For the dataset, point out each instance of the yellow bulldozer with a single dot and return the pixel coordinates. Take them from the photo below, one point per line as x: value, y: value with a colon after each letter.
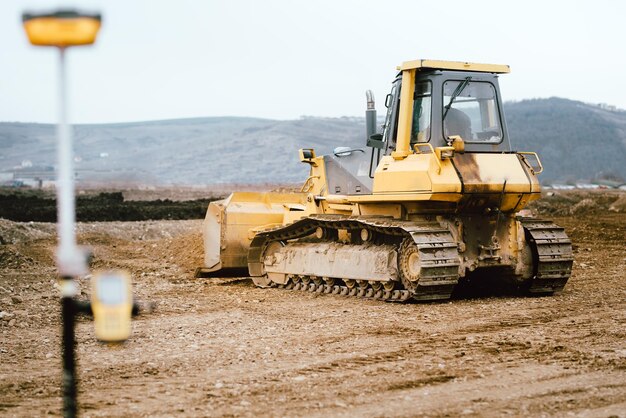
x: 430, y: 202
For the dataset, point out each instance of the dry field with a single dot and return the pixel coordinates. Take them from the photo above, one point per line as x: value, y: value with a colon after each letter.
x: 221, y: 347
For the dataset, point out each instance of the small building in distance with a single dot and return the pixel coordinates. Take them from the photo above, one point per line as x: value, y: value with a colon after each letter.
x: 33, y: 175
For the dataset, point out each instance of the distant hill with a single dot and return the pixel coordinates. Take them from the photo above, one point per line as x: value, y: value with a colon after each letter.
x: 184, y: 151
x: 575, y: 141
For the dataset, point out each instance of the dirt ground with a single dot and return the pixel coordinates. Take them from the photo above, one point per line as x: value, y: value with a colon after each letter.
x: 221, y: 347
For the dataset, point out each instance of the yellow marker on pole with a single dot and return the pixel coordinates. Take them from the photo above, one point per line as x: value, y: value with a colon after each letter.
x: 62, y: 28
x: 112, y: 305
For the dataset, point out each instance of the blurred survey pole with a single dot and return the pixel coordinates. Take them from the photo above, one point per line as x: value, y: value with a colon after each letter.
x: 62, y: 29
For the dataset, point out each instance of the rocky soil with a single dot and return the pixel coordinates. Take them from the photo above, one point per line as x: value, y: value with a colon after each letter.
x: 221, y: 347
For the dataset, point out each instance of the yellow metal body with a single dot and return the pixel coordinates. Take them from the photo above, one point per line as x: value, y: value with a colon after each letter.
x: 405, y: 118
x: 230, y: 224
x: 411, y: 182
x: 112, y: 305
x: 453, y: 65
x: 61, y: 31
x: 417, y: 173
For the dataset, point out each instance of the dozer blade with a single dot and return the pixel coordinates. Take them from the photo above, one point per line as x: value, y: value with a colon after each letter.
x: 230, y: 225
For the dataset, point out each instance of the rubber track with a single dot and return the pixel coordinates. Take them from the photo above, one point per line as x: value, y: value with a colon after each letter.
x: 552, y: 254
x: 438, y: 252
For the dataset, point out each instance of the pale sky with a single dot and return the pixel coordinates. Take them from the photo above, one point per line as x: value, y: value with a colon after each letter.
x: 281, y: 59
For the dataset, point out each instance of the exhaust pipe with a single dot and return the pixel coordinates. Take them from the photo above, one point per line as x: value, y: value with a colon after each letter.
x: 370, y: 114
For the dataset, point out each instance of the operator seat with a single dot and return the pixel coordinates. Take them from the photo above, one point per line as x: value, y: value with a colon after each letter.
x: 457, y: 123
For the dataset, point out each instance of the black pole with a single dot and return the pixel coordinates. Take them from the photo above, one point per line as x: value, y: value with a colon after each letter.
x: 68, y: 315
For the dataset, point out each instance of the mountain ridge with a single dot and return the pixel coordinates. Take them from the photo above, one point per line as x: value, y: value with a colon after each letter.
x: 576, y: 141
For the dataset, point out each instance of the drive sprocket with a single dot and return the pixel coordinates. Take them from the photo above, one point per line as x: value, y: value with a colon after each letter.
x: 409, y: 265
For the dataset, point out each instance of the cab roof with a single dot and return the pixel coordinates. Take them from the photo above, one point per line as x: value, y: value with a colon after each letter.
x: 421, y: 65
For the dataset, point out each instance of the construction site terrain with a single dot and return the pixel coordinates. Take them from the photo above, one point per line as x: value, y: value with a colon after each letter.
x: 222, y: 347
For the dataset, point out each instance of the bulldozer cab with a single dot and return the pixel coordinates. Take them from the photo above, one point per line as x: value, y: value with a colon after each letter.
x: 445, y: 101
x: 445, y: 140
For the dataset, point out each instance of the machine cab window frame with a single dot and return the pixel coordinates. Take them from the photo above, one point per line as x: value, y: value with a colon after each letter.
x: 485, y: 119
x: 421, y: 126
x: 392, y: 102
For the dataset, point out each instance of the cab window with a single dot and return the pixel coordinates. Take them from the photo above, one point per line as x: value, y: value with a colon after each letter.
x: 420, y: 128
x: 390, y: 130
x: 471, y: 111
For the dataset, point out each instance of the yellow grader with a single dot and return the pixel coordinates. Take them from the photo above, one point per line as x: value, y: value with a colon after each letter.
x: 431, y: 202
